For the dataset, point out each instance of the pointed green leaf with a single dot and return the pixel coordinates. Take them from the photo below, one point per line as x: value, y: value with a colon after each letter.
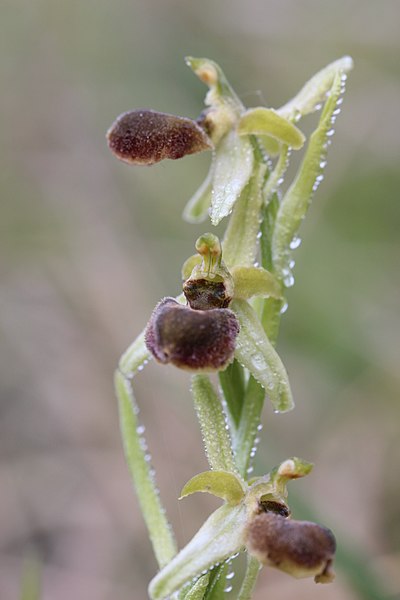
x: 298, y: 197
x: 266, y: 121
x: 219, y: 483
x: 220, y: 537
x: 213, y: 424
x: 233, y: 167
x: 255, y: 281
x: 255, y: 352
x: 154, y: 515
x: 315, y: 91
x: 196, y: 210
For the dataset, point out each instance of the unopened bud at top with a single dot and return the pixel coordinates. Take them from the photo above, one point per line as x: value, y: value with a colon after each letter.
x: 144, y: 137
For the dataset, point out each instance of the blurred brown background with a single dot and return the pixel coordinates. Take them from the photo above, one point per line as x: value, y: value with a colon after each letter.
x: 88, y: 245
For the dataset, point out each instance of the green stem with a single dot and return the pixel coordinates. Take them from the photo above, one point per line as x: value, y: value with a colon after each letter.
x: 160, y: 532
x: 250, y: 578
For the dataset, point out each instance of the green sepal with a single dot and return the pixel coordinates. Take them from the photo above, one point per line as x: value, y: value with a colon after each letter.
x: 266, y: 121
x: 255, y: 281
x: 233, y: 165
x: 240, y: 240
x: 222, y: 484
x: 196, y: 210
x: 255, y: 352
x: 315, y: 91
x: 221, y: 536
x: 297, y: 199
x: 212, y: 75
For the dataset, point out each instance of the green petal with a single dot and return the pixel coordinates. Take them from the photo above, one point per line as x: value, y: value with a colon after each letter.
x: 266, y: 121
x: 190, y: 263
x: 222, y: 484
x: 233, y: 164
x: 220, y: 537
x: 297, y: 199
x: 255, y: 281
x: 315, y: 91
x: 255, y: 352
x: 196, y: 210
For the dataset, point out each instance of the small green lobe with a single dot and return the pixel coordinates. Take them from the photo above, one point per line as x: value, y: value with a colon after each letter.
x: 222, y: 484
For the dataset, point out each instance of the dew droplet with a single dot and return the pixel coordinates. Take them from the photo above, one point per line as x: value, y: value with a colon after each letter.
x: 323, y: 164
x: 295, y: 243
x: 288, y: 280
x: 259, y: 235
x: 330, y: 132
x: 339, y: 101
x: 228, y: 588
x: 292, y: 263
x: 250, y: 470
x: 319, y: 178
x: 230, y: 575
x: 140, y: 429
x: 318, y: 106
x: 140, y: 368
x: 284, y: 308
x: 259, y: 427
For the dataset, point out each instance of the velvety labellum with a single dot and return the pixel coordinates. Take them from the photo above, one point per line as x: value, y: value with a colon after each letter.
x: 144, y: 137
x: 192, y: 339
x: 300, y: 548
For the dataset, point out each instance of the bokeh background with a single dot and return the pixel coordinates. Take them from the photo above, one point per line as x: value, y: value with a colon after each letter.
x: 88, y: 246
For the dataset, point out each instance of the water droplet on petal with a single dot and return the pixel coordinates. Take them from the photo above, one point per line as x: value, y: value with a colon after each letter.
x: 295, y: 243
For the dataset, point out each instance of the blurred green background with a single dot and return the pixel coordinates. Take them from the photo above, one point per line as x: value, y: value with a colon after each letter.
x: 88, y: 246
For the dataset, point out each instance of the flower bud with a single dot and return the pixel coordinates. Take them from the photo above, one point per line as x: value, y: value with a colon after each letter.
x: 300, y: 548
x: 144, y: 137
x: 191, y: 339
